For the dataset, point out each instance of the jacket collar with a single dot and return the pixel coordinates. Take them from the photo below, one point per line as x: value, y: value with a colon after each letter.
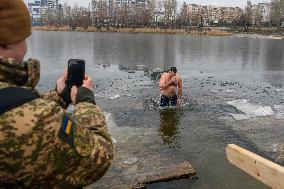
x: 19, y: 73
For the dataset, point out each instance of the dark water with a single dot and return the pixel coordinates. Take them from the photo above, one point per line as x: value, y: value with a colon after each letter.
x: 215, y: 70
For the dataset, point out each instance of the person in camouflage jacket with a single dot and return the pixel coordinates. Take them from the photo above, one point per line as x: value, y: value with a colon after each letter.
x: 35, y: 152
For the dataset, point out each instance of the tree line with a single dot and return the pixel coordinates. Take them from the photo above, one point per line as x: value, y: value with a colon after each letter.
x: 102, y: 13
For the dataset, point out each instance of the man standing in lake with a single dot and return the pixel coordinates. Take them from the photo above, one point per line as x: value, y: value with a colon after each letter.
x: 171, y: 88
x: 42, y: 145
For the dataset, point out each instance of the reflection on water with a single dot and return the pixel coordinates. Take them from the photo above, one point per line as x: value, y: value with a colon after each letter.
x: 169, y: 125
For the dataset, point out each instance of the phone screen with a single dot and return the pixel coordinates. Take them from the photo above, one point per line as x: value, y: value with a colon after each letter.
x: 76, y: 72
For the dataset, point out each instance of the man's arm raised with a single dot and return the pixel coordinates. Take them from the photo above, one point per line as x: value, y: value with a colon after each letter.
x: 179, y: 87
x: 163, y: 83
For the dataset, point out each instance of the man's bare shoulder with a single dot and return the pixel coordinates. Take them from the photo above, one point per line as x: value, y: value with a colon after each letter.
x: 164, y: 75
x: 178, y: 76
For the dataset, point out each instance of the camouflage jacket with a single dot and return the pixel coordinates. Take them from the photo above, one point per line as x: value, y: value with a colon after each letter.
x: 33, y: 153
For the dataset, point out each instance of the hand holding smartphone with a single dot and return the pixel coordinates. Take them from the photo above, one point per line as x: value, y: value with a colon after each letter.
x: 76, y: 73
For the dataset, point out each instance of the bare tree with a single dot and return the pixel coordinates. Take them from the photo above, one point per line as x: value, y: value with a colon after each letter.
x: 67, y: 11
x: 243, y: 21
x: 170, y: 12
x: 123, y: 15
x: 277, y: 12
x: 183, y: 17
x: 48, y: 18
x: 247, y: 17
x: 83, y: 17
x: 102, y: 13
x: 151, y: 8
x: 258, y: 18
x: 111, y: 13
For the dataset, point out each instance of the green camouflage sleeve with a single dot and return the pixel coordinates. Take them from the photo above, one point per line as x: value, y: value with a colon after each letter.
x: 92, y: 126
x: 53, y: 96
x: 91, y: 143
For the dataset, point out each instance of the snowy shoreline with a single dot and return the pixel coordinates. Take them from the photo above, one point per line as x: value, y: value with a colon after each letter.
x: 258, y: 36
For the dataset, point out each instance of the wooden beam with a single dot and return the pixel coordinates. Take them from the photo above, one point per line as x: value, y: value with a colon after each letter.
x: 137, y: 179
x: 262, y: 169
x: 166, y: 174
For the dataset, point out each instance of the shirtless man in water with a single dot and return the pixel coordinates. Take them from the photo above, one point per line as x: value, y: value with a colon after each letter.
x: 171, y: 88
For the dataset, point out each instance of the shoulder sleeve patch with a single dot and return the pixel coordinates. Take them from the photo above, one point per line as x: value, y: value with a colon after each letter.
x: 79, y: 138
x: 67, y: 128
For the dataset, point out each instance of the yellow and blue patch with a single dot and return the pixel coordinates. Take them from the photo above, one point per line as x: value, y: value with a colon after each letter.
x: 67, y: 129
x: 67, y: 125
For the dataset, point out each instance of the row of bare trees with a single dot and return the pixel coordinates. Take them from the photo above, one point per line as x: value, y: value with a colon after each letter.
x: 102, y: 13
x: 67, y: 16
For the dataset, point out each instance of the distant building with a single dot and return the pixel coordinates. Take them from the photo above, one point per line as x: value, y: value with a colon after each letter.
x: 265, y: 10
x: 44, y: 6
x: 193, y: 10
x: 261, y: 10
x: 35, y: 10
x: 159, y: 12
x: 213, y: 14
x: 122, y: 2
x: 53, y: 4
x: 141, y: 2
x: 118, y: 3
x: 44, y: 3
x: 229, y: 14
x: 39, y: 7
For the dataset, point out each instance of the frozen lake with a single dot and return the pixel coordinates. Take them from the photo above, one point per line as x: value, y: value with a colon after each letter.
x: 232, y: 94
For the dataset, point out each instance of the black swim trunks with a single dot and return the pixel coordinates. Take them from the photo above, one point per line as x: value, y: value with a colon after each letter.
x: 168, y: 101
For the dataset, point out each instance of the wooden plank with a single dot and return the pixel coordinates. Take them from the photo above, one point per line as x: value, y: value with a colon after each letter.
x: 262, y: 169
x: 166, y: 174
x: 139, y: 178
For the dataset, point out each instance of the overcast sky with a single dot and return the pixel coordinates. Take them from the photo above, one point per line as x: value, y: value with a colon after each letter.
x: 234, y: 3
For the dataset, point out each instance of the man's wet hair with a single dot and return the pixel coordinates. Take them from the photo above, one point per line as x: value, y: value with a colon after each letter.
x: 174, y: 69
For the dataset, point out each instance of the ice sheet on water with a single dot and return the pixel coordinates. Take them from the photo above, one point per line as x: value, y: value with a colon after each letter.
x: 229, y: 91
x: 130, y: 160
x: 279, y: 111
x: 239, y: 117
x: 98, y: 96
x: 213, y: 91
x: 128, y: 95
x: 249, y: 109
x: 107, y: 116
x: 114, y: 96
x: 114, y: 141
x: 278, y: 90
x: 145, y: 83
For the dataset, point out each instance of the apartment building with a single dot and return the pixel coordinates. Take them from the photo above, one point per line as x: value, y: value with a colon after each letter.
x: 213, y: 14
x: 264, y: 9
x: 34, y: 9
x: 261, y: 9
x: 53, y: 4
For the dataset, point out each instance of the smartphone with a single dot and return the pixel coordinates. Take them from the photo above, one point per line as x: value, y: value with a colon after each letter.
x: 76, y: 73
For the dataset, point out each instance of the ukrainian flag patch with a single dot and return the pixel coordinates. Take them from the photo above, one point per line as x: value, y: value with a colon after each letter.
x: 66, y: 125
x: 67, y: 129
